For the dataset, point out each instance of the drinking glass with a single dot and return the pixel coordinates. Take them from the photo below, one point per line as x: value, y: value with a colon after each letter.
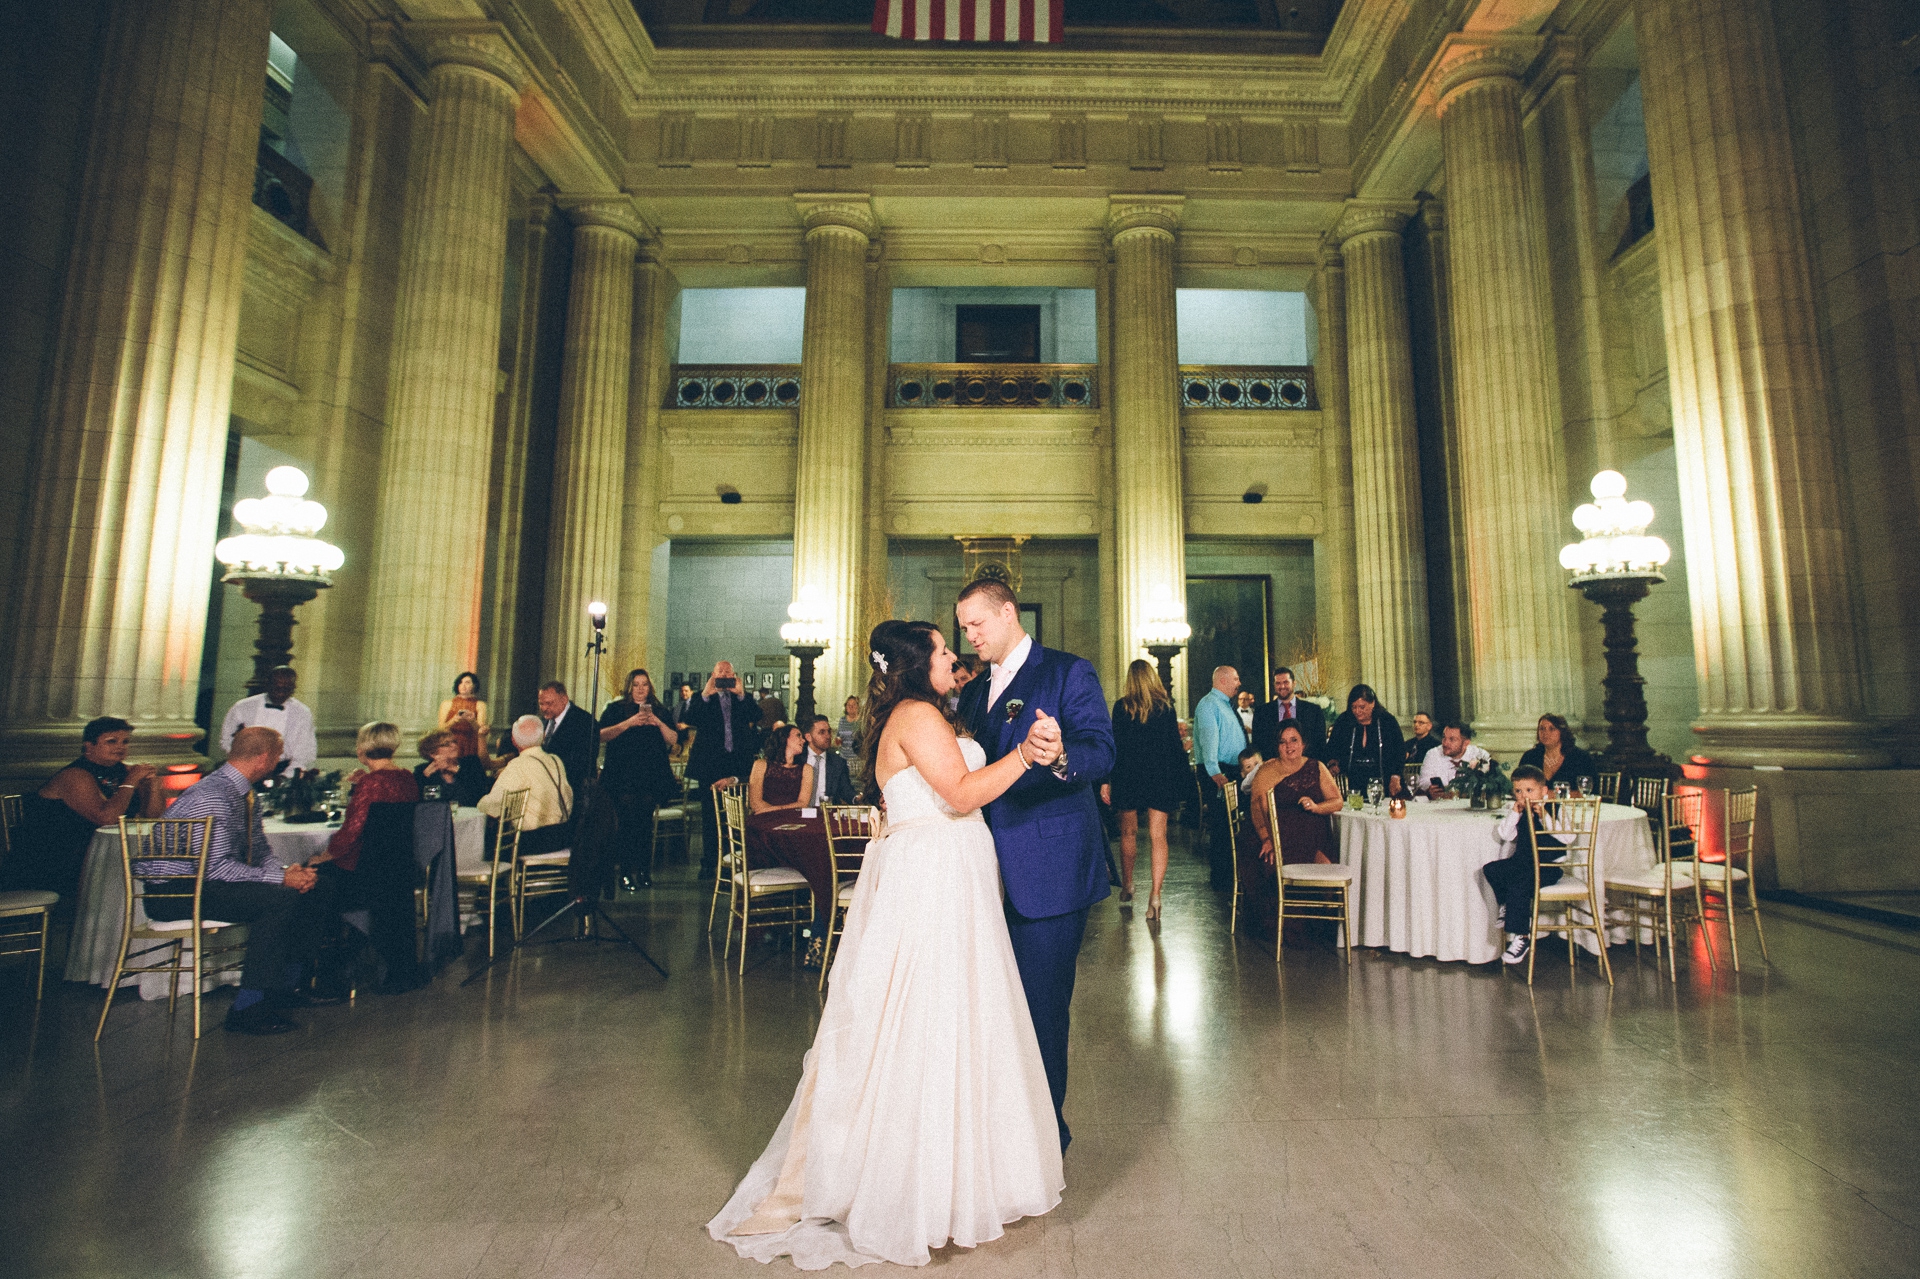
x: 1585, y: 786
x: 1375, y: 791
x: 1562, y: 790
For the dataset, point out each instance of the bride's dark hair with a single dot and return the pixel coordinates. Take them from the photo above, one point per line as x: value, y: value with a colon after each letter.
x: 902, y: 673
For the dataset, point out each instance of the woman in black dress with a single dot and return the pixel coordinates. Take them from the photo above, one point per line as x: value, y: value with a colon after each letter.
x: 1366, y: 743
x: 1556, y: 755
x: 639, y: 733
x: 1150, y: 771
x: 57, y: 823
x: 461, y: 777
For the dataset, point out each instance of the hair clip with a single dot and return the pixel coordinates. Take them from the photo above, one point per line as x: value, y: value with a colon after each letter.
x: 879, y: 661
x: 1014, y: 708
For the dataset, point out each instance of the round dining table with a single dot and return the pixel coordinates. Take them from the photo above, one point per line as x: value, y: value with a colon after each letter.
x: 101, y: 911
x: 1419, y: 890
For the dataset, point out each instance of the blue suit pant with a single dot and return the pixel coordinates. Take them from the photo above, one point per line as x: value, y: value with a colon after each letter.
x: 1047, y: 951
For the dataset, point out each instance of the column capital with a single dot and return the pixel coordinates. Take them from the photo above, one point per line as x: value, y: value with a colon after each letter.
x: 1326, y: 257
x: 615, y: 212
x: 1433, y: 212
x: 1144, y: 213
x: 1373, y: 217
x: 485, y: 46
x: 852, y: 210
x: 1467, y: 59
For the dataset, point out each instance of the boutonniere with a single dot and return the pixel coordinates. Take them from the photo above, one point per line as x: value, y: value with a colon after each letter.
x: 1014, y: 708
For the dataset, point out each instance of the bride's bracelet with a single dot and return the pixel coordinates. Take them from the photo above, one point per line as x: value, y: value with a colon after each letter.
x: 1020, y: 749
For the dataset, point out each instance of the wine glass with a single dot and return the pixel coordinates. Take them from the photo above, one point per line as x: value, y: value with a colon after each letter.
x: 1561, y: 790
x: 1584, y: 786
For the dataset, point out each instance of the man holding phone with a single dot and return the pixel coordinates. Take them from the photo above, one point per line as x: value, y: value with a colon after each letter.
x: 726, y: 740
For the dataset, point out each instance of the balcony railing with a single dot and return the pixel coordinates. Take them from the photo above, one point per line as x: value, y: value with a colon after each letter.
x: 735, y: 386
x: 282, y: 189
x: 990, y: 386
x: 1247, y: 386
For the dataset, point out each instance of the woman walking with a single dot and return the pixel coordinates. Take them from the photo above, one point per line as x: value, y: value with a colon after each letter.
x: 1150, y: 773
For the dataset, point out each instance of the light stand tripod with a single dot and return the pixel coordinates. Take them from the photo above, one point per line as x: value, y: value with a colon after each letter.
x: 596, y: 649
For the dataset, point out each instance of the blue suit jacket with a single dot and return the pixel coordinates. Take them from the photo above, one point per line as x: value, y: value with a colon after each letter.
x: 1046, y: 830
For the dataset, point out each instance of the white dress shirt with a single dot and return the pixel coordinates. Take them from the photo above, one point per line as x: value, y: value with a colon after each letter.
x: 1001, y: 674
x: 293, y: 721
x: 1441, y: 767
x: 819, y: 763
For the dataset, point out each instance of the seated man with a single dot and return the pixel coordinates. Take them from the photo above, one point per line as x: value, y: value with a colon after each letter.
x: 547, y: 824
x: 283, y: 915
x: 1455, y: 752
x: 832, y: 779
x: 1511, y: 878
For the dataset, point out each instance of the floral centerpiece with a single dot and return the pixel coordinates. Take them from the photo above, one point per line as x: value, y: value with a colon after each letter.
x: 296, y: 795
x: 1484, y: 782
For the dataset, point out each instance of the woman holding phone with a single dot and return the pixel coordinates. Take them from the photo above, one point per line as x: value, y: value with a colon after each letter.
x: 638, y: 734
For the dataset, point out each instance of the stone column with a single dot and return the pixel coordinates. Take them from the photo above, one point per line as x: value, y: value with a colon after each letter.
x: 1523, y: 652
x: 1389, y: 538
x: 829, y: 523
x: 1773, y: 627
x: 590, y: 447
x: 127, y: 481
x: 1337, y: 603
x: 1149, y: 520
x: 430, y: 546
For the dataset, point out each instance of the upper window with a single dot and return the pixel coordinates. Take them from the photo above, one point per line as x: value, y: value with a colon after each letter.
x: 1243, y: 326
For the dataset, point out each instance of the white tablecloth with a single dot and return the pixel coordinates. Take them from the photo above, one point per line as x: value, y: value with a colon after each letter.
x: 1420, y: 890
x: 102, y: 907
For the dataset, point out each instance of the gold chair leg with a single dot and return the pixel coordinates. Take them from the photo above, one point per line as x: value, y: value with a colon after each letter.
x: 40, y: 984
x: 1733, y: 922
x: 1753, y: 905
x: 1673, y: 969
x: 1700, y: 917
x: 1280, y: 920
x: 199, y: 949
x: 1598, y: 898
x: 113, y: 987
x: 1346, y: 921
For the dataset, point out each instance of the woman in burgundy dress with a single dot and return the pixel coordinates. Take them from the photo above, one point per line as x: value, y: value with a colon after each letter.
x: 780, y: 785
x: 381, y: 886
x: 1305, y: 796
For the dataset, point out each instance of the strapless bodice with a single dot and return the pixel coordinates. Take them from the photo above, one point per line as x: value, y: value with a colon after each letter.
x: 910, y: 799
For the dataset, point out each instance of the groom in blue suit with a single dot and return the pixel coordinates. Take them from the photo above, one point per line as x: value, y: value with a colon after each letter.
x: 1046, y: 827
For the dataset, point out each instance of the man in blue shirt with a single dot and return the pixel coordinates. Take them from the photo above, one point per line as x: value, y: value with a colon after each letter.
x: 246, y: 884
x: 1218, y: 739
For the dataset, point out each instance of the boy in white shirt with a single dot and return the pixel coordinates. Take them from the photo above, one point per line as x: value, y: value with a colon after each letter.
x: 1512, y: 877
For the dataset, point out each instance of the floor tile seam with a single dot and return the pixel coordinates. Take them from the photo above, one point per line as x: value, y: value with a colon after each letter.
x: 1855, y: 1189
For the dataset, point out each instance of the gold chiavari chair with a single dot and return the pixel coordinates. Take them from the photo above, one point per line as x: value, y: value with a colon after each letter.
x: 1608, y: 787
x: 1230, y: 796
x: 1315, y: 890
x: 1650, y: 796
x: 722, y: 865
x: 35, y: 906
x: 172, y: 840
x: 1576, y: 829
x: 9, y: 822
x: 1722, y: 878
x: 1651, y: 892
x: 849, y: 829
x: 669, y: 826
x: 536, y: 875
x: 775, y: 895
x: 486, y: 884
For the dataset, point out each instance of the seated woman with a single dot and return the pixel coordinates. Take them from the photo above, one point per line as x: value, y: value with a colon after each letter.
x: 57, y: 823
x: 781, y: 778
x: 1305, y: 796
x: 465, y: 704
x: 1366, y: 743
x: 381, y: 885
x: 1556, y: 756
x: 461, y: 777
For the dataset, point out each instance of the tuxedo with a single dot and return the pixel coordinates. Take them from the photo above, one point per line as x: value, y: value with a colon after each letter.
x: 571, y: 738
x: 1312, y: 721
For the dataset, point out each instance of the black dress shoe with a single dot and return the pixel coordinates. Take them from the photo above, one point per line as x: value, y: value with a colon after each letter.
x: 259, y: 1019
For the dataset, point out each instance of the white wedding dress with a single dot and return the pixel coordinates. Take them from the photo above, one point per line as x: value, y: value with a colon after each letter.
x: 922, y: 1115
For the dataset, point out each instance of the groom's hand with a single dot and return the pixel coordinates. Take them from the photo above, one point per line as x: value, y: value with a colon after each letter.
x: 1043, y: 739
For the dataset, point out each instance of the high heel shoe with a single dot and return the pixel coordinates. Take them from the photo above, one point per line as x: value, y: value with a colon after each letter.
x: 1153, y: 908
x: 1126, y: 897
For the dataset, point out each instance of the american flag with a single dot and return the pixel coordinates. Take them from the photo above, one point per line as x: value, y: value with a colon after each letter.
x: 1027, y: 21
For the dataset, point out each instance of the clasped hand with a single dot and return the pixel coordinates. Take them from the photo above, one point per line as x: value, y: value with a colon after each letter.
x: 1043, y: 739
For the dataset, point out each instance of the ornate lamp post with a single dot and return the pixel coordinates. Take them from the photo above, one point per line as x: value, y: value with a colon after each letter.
x: 1614, y: 565
x: 278, y: 563
x: 1165, y: 631
x: 806, y: 636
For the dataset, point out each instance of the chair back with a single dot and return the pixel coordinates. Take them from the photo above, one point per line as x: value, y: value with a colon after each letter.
x: 1230, y: 796
x: 1650, y: 794
x: 183, y: 841
x: 733, y: 839
x: 506, y: 841
x: 1608, y: 784
x: 849, y: 829
x: 1575, y: 827
x: 9, y: 819
x: 1742, y: 807
x: 1272, y: 801
x: 1679, y: 834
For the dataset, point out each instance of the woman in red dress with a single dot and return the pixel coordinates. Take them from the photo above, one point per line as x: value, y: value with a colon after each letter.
x: 383, y: 885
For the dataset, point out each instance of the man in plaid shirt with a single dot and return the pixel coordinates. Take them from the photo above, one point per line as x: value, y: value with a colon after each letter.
x: 283, y: 915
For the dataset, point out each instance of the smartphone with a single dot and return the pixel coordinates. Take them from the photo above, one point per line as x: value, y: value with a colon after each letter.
x: 726, y: 682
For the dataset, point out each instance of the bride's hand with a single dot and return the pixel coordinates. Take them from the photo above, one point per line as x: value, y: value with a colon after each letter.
x: 1043, y: 739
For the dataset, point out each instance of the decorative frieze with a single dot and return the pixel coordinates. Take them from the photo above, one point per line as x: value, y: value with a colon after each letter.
x: 1069, y: 142
x: 995, y: 386
x: 756, y: 142
x: 676, y: 140
x: 1235, y: 386
x: 735, y: 386
x: 1223, y: 144
x: 830, y: 140
x: 990, y: 141
x: 912, y: 140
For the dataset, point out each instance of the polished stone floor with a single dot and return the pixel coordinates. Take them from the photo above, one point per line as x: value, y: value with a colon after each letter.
x: 572, y: 1115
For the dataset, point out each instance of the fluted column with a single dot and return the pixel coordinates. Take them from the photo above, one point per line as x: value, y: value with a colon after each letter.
x: 126, y: 488
x: 830, y: 481
x: 1773, y: 627
x: 1337, y: 601
x: 590, y: 447
x: 1389, y: 539
x: 1523, y: 652
x: 1149, y: 521
x: 430, y: 547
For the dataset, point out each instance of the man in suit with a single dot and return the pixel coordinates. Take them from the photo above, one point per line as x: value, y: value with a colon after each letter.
x: 832, y: 779
x: 569, y: 735
x: 1046, y: 827
x: 1286, y: 707
x: 726, y: 740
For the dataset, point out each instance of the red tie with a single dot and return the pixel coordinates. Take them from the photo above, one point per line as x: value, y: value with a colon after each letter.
x: 1286, y: 711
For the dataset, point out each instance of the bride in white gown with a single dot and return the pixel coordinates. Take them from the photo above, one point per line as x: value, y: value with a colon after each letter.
x: 922, y: 1115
